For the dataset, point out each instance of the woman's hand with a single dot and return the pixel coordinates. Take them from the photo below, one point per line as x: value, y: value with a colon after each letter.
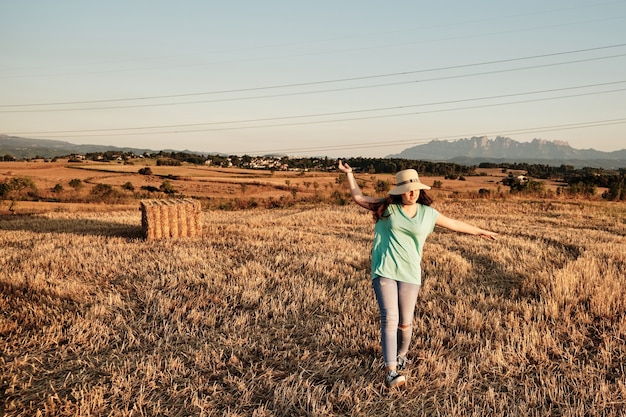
x: 344, y: 167
x: 486, y: 234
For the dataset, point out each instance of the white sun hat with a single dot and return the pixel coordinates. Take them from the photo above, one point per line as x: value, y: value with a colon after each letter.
x: 406, y: 181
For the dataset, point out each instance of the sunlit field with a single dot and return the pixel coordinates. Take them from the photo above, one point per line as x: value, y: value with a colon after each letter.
x: 271, y: 313
x: 39, y: 187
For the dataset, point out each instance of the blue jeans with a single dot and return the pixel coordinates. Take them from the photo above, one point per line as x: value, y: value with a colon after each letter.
x: 396, y: 301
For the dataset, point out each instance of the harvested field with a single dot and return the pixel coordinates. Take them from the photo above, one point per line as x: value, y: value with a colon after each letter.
x: 271, y: 313
x: 215, y: 187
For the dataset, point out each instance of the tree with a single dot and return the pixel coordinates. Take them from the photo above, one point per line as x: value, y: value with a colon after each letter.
x: 167, y: 187
x: 168, y: 162
x: 616, y: 190
x: 18, y: 185
x: 21, y: 183
x: 528, y: 186
x: 101, y: 189
x: 341, y: 179
x: 76, y: 183
x: 5, y: 188
x: 382, y: 186
x: 582, y: 188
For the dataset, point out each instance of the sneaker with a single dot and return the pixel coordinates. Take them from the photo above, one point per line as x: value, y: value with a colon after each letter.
x: 403, y: 363
x: 394, y: 379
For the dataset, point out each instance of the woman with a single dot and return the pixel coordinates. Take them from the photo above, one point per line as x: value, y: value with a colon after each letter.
x: 403, y: 221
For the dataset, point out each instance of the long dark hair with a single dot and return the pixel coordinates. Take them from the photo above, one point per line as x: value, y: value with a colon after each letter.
x: 379, y: 210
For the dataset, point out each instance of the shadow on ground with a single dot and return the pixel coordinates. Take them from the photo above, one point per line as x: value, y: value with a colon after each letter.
x: 38, y: 224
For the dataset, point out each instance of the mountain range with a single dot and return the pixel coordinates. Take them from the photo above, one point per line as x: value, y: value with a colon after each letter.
x: 472, y: 151
x: 30, y: 148
x: 469, y: 151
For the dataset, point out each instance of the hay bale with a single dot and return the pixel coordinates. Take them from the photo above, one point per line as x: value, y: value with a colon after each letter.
x: 170, y: 218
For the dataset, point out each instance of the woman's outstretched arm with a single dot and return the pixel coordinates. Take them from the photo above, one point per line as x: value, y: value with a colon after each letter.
x: 362, y: 200
x: 459, y: 226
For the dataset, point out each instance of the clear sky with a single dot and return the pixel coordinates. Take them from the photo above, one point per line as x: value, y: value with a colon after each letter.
x: 335, y: 78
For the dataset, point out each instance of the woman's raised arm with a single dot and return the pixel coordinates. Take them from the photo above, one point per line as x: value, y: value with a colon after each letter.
x: 357, y: 195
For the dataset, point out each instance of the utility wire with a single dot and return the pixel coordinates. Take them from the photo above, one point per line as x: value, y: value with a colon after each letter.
x: 319, y: 91
x: 341, y: 79
x: 330, y: 113
x: 380, y: 144
x: 346, y: 119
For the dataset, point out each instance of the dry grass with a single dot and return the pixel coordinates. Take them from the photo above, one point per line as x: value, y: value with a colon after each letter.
x: 188, y: 180
x: 271, y: 313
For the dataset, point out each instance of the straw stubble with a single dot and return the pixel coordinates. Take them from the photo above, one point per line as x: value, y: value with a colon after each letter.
x: 272, y: 313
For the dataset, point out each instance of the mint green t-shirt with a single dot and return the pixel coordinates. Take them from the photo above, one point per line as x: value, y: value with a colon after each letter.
x: 399, y: 243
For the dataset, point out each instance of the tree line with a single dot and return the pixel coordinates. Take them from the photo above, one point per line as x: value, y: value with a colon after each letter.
x: 583, y: 181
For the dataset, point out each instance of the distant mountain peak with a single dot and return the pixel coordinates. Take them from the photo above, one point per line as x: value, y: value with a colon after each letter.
x: 478, y: 149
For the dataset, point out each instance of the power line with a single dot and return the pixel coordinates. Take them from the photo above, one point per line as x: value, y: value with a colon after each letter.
x: 348, y: 119
x: 336, y: 113
x: 403, y: 73
x: 320, y: 91
x: 380, y: 144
